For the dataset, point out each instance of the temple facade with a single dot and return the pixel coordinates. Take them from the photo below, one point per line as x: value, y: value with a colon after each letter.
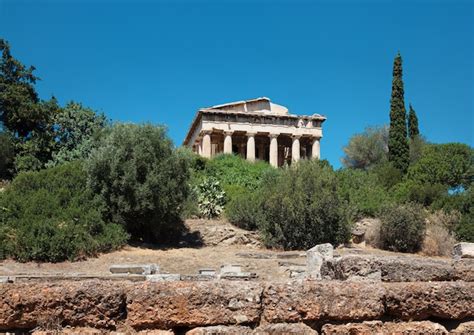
x: 256, y: 129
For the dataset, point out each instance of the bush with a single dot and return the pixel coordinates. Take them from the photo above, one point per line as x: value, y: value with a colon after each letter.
x: 245, y: 210
x: 413, y: 191
x: 302, y: 207
x: 403, y: 227
x: 362, y: 192
x: 210, y: 198
x: 438, y: 240
x: 51, y: 216
x: 142, y: 181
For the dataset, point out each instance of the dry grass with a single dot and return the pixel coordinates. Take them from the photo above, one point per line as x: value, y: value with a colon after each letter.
x: 438, y: 240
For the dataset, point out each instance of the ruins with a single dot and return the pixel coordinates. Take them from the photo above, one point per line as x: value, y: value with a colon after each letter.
x: 255, y: 129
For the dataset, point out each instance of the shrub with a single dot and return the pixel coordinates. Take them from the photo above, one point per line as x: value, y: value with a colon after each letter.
x: 210, y: 197
x: 438, y: 240
x: 413, y: 191
x: 302, y: 207
x: 142, y: 181
x: 245, y: 210
x: 403, y: 227
x: 51, y: 216
x: 362, y: 193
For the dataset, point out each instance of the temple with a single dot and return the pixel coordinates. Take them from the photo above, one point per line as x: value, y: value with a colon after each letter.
x: 255, y: 129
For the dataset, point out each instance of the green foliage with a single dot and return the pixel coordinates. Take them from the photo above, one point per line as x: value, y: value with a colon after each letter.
x: 387, y: 175
x: 416, y: 148
x: 403, y: 227
x: 234, y: 170
x: 421, y: 193
x: 210, y: 198
x: 7, y: 155
x: 448, y: 164
x: 76, y: 130
x: 51, y: 216
x: 363, y: 193
x: 413, y: 130
x: 465, y: 228
x: 18, y: 98
x: 245, y: 209
x: 302, y: 207
x: 398, y: 150
x: 367, y: 149
x: 142, y: 181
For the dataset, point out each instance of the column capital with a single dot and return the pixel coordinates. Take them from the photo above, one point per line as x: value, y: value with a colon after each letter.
x: 206, y: 132
x: 296, y: 137
x: 251, y: 133
x: 273, y: 135
x: 228, y: 132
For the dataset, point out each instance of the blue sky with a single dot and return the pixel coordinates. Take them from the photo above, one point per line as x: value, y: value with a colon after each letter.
x: 144, y: 61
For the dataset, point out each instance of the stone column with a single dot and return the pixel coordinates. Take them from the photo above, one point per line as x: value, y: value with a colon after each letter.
x: 316, y: 148
x: 228, y: 142
x: 295, y: 148
x: 251, y: 147
x: 206, y: 144
x: 273, y: 150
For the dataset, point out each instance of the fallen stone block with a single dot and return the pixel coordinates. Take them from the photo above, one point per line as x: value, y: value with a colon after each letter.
x: 198, y: 277
x: 231, y: 268
x: 463, y: 269
x: 138, y: 269
x: 381, y: 328
x: 163, y: 277
x: 94, y: 304
x: 420, y: 301
x: 221, y: 330
x: 192, y: 304
x: 315, y: 257
x: 207, y: 272
x: 301, y: 301
x: 463, y: 250
x: 238, y: 275
x: 285, y: 329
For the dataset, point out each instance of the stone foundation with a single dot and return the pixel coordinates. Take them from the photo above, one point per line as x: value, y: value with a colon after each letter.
x: 302, y: 306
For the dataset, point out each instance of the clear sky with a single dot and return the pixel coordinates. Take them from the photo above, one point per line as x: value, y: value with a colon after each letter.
x: 160, y: 61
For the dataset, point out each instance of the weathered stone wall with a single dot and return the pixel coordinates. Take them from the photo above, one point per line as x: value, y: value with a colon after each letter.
x: 223, y: 307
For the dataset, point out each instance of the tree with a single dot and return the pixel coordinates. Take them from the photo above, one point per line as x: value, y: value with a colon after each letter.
x: 76, y: 132
x: 367, y: 149
x: 450, y: 164
x: 141, y: 179
x: 398, y: 149
x: 7, y: 155
x: 413, y: 130
x: 18, y: 98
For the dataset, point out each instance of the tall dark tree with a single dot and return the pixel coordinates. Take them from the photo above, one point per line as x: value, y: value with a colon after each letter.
x: 398, y: 149
x: 19, y: 112
x: 413, y: 130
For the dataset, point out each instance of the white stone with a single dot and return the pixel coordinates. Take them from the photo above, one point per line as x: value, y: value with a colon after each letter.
x: 139, y: 269
x: 231, y: 268
x: 463, y: 250
x: 316, y: 256
x: 163, y: 277
x: 207, y: 272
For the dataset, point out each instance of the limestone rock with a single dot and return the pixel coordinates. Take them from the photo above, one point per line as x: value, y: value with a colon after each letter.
x: 190, y: 304
x: 380, y: 328
x: 91, y: 303
x: 299, y: 301
x: 464, y: 328
x: 221, y: 330
x: 419, y: 301
x: 463, y: 250
x: 316, y: 256
x: 138, y: 269
x: 388, y: 268
x: 285, y: 329
x: 463, y: 269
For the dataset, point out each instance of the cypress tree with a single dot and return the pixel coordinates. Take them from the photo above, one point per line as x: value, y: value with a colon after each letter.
x: 398, y: 149
x: 413, y: 130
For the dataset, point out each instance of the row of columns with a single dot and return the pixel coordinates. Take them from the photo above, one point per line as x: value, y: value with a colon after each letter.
x: 295, y: 147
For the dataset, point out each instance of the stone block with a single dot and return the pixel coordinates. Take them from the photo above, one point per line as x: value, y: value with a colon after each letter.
x: 285, y: 329
x: 139, y: 269
x: 207, y: 272
x: 231, y: 268
x: 463, y: 250
x: 379, y: 327
x: 163, y: 277
x: 308, y: 301
x: 423, y: 300
x: 326, y: 250
x: 315, y: 258
x: 192, y: 304
x: 221, y: 330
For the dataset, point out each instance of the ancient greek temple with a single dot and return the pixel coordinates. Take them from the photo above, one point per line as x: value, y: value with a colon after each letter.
x: 255, y: 129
